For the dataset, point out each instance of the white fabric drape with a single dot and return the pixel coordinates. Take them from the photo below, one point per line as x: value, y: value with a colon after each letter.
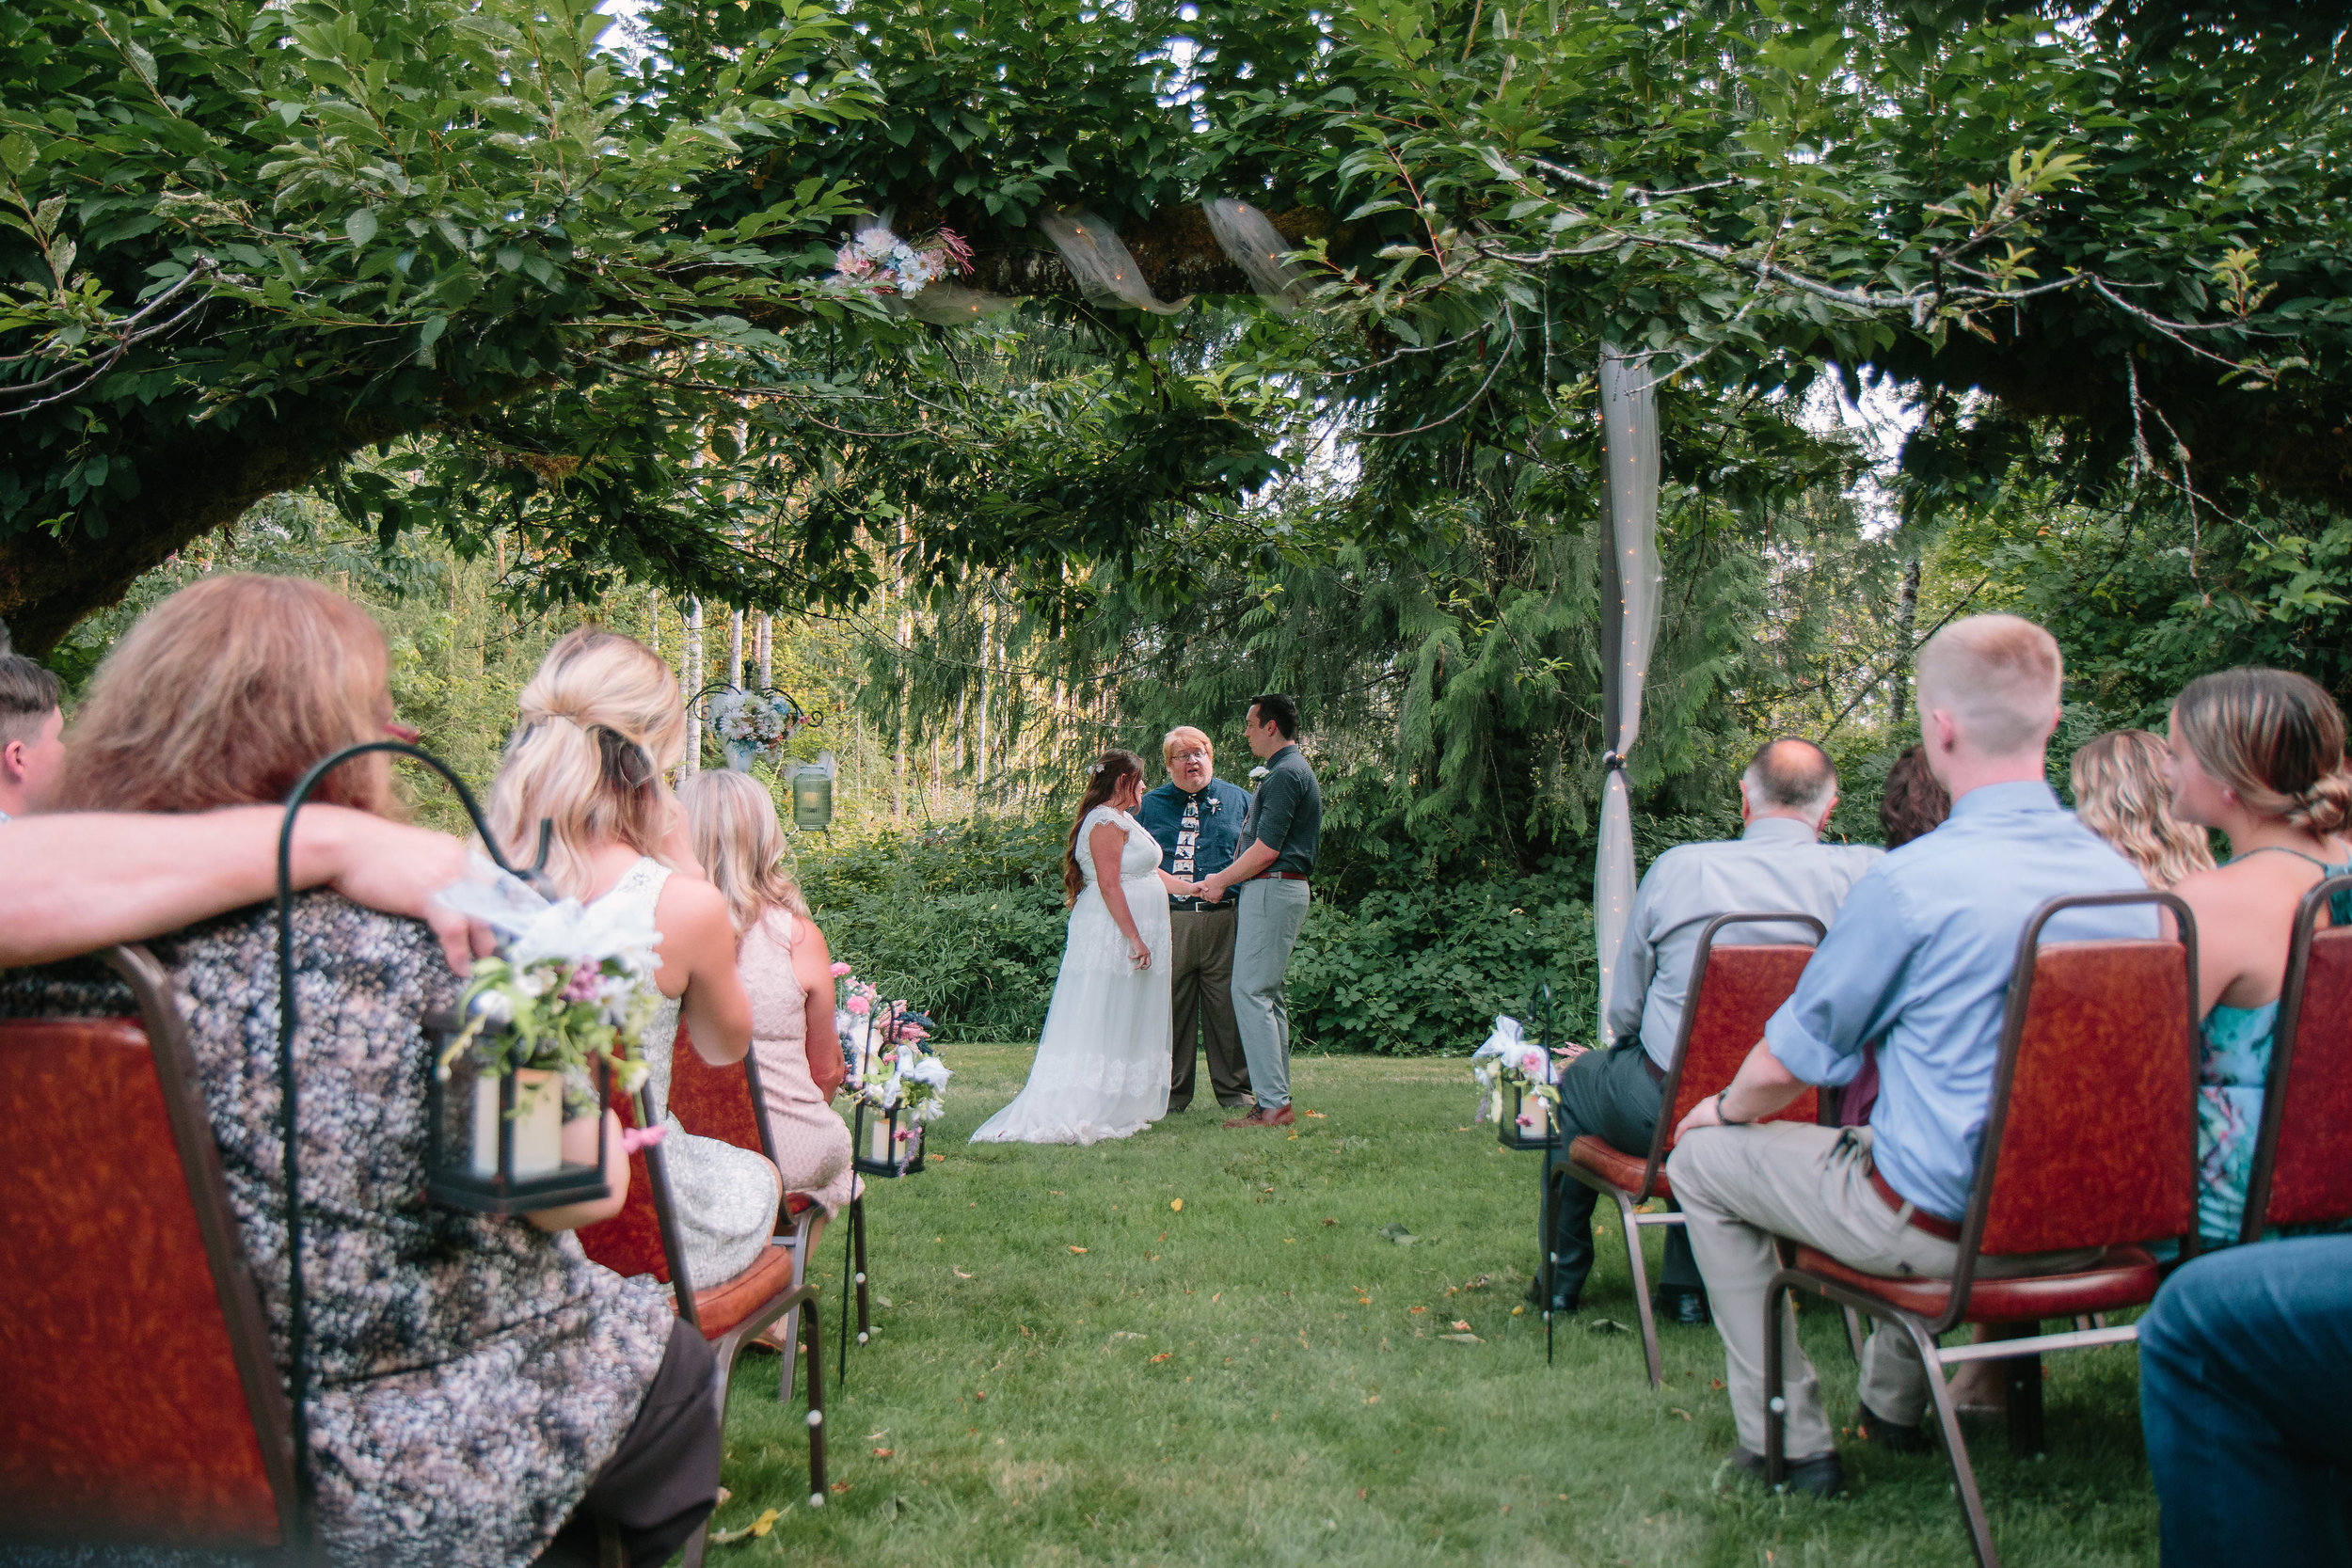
x: 1105, y: 269
x: 1251, y: 242
x: 1629, y: 593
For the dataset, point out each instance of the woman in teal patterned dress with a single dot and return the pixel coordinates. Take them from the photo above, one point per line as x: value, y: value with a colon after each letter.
x: 2257, y: 755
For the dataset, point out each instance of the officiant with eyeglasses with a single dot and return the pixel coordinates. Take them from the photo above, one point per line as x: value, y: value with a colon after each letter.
x: 1196, y: 817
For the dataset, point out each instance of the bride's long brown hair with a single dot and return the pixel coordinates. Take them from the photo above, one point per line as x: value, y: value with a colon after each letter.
x: 1111, y: 769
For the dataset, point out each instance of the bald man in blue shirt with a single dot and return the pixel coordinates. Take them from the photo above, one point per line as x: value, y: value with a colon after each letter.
x: 1919, y: 958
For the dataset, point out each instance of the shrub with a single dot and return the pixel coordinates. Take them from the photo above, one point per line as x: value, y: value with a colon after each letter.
x: 966, y: 921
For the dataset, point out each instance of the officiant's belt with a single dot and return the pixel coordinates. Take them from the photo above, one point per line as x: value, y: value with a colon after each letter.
x: 1279, y: 876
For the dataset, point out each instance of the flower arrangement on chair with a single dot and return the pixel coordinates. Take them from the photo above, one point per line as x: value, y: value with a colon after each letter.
x: 1517, y: 1082
x: 893, y: 1077
x: 564, y: 1001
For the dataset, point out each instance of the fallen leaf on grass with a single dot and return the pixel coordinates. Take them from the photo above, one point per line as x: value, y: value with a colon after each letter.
x: 1519, y: 1310
x: 1463, y: 1338
x: 938, y: 1159
x: 959, y: 1272
x: 1359, y: 1493
x: 1714, y: 1382
x: 1328, y: 1220
x: 1290, y: 1241
x: 725, y: 1497
x: 758, y: 1527
x: 1078, y: 1249
x: 1177, y: 1204
x: 1123, y: 1334
x: 1480, y: 1283
x: 1162, y: 1357
x: 884, y: 1454
x: 1417, y: 1311
x: 843, y: 1485
x: 1672, y: 1410
x: 883, y: 1433
x: 1461, y: 1325
x: 1374, y: 1400
x: 1318, y: 1115
x: 1606, y: 1325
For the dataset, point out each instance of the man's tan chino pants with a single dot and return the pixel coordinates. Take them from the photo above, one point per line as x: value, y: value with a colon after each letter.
x: 1742, y: 1186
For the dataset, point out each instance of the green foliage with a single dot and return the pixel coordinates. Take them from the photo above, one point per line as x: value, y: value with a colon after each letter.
x: 1422, y: 970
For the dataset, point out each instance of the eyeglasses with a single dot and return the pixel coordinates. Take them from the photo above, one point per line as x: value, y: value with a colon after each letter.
x: 1193, y: 755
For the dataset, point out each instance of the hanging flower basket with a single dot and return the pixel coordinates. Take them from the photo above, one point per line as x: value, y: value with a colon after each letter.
x: 753, y: 726
x: 543, y: 1028
x: 896, y: 1082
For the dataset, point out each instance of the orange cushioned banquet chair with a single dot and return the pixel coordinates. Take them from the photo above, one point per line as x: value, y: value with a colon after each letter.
x: 644, y: 1238
x: 2302, y: 1170
x: 1734, y: 989
x: 2089, y: 1142
x: 144, y: 1405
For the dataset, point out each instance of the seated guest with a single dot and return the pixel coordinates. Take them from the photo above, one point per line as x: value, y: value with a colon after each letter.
x: 1918, y: 959
x: 602, y: 721
x: 1779, y: 864
x: 2244, y: 1374
x: 30, y: 723
x: 2259, y: 754
x: 483, y: 1394
x: 2120, y: 795
x: 1196, y: 816
x: 787, y: 974
x: 1911, y: 804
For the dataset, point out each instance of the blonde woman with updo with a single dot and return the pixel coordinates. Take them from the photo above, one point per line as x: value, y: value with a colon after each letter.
x: 787, y: 973
x: 2259, y: 754
x: 601, y: 724
x: 2120, y: 795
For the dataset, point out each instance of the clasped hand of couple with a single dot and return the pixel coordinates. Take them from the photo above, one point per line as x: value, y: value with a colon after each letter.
x: 1138, y: 951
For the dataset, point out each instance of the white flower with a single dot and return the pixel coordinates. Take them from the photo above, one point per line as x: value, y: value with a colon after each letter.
x: 930, y: 1071
x: 495, y: 1006
x: 875, y: 243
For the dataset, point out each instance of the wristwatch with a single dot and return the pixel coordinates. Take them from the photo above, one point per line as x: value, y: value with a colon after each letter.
x: 1721, y: 1114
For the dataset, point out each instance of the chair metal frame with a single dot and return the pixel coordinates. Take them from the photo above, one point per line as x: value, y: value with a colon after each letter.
x: 1628, y: 1203
x: 2022, y: 1350
x: 799, y: 1299
x: 232, y: 1280
x: 2283, y: 1043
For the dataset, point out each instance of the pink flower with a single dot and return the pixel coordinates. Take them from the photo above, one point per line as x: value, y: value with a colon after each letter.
x: 840, y: 970
x: 952, y: 246
x: 859, y: 1005
x: 1526, y: 1120
x: 635, y: 1138
x: 584, y: 985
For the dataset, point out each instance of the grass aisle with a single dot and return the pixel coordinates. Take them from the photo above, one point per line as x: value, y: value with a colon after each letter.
x: 1262, y: 1376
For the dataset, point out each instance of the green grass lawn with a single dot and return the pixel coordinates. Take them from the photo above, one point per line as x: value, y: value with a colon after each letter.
x: 1263, y: 1376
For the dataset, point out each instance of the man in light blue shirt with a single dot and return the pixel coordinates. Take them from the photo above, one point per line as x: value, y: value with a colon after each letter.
x: 1919, y: 958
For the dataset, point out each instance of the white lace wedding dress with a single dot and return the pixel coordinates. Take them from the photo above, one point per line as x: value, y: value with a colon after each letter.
x: 1101, y: 1067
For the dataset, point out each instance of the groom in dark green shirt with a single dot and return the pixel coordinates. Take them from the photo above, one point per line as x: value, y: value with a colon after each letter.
x: 1278, y: 855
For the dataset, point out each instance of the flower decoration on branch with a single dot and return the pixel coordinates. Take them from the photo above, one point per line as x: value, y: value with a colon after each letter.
x: 890, y: 1065
x: 753, y: 726
x: 1510, y: 1058
x: 878, y: 262
x: 568, y: 986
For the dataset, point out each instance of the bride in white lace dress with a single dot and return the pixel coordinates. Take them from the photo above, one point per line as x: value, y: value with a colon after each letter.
x: 1101, y: 1067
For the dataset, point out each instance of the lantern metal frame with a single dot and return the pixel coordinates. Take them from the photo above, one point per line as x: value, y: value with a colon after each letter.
x: 911, y: 1163
x: 297, y: 1304
x: 1508, y: 1129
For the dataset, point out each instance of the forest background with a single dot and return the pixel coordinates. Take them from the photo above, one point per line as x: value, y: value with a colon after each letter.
x: 502, y: 317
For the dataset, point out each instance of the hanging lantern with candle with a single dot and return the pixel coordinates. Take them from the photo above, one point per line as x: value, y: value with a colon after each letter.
x: 1527, y: 1109
x: 812, y: 795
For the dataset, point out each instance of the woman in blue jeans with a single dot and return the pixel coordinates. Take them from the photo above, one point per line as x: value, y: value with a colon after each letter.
x: 2244, y: 1383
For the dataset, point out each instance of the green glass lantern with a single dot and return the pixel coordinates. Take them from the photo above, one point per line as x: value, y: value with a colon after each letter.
x: 812, y: 797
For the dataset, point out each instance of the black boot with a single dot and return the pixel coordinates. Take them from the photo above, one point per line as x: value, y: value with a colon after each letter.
x: 1685, y: 1305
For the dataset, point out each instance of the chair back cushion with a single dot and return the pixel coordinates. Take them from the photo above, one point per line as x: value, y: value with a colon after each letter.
x: 712, y: 1101
x: 125, y: 1419
x: 2311, y: 1178
x: 1741, y: 988
x: 2098, y: 1145
x: 629, y: 1243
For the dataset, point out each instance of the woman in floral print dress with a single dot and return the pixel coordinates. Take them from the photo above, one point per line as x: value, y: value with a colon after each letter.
x: 482, y: 1394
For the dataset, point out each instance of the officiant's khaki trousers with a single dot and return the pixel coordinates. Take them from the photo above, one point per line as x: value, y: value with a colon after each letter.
x: 1200, y: 986
x: 1272, y: 912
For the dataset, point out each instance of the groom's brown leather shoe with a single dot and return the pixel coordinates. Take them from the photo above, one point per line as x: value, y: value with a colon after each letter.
x: 1281, y: 1116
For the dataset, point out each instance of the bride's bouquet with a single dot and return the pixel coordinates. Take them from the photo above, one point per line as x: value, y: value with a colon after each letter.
x: 1511, y: 1068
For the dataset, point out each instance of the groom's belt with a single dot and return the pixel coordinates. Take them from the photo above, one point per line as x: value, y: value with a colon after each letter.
x: 1279, y: 876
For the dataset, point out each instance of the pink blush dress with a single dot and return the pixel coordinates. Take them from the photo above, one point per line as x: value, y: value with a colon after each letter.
x: 811, y: 1141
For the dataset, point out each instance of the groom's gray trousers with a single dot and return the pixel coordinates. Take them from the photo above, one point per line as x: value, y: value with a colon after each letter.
x: 1272, y: 912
